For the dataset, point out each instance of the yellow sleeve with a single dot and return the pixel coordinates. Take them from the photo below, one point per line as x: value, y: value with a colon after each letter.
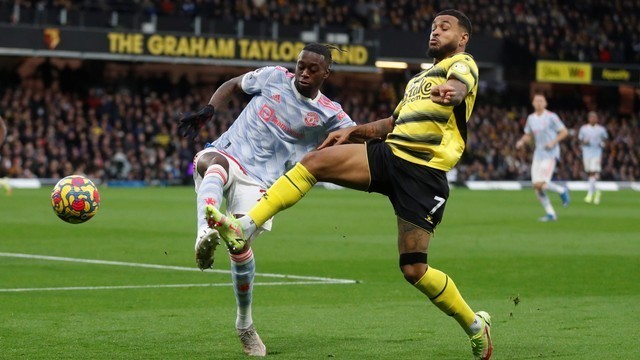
x: 465, y: 70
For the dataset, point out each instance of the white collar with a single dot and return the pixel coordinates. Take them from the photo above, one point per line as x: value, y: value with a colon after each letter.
x: 302, y: 97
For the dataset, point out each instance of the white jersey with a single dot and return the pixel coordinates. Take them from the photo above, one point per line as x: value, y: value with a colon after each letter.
x: 544, y: 128
x: 592, y: 140
x: 279, y: 125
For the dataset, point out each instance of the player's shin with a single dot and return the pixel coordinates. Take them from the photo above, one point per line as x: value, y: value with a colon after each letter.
x: 592, y: 184
x: 284, y: 193
x: 444, y: 294
x: 545, y: 202
x: 242, y: 273
x: 210, y: 192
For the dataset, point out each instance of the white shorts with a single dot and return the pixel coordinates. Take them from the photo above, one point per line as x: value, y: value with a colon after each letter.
x: 542, y: 170
x: 241, y: 191
x: 592, y: 165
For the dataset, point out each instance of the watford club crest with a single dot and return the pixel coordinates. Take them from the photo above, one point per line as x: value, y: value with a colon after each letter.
x: 51, y: 38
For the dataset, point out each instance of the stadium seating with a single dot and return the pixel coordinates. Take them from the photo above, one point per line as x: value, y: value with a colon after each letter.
x: 590, y: 30
x: 127, y: 133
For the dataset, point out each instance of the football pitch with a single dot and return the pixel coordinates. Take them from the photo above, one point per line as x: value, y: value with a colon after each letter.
x: 125, y: 286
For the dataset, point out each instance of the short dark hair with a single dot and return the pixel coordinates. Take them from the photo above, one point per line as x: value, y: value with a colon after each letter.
x: 463, y: 20
x: 322, y: 49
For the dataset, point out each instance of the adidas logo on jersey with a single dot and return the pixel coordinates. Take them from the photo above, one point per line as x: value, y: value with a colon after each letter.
x: 276, y: 97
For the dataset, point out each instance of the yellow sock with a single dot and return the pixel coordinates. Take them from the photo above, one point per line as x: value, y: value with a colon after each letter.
x: 284, y: 193
x: 444, y: 294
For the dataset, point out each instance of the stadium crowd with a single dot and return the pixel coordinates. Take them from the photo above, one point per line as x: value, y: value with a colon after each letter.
x: 126, y: 133
x: 589, y: 30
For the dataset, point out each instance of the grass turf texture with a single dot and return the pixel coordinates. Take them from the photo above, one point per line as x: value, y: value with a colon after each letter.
x: 575, y: 282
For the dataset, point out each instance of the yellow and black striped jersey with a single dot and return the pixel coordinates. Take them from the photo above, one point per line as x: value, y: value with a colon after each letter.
x: 427, y: 133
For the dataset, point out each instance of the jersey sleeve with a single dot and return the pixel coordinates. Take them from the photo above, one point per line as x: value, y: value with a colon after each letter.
x: 253, y: 82
x: 527, y: 125
x: 557, y: 123
x: 581, y: 133
x: 605, y: 134
x: 464, y: 69
x: 339, y: 121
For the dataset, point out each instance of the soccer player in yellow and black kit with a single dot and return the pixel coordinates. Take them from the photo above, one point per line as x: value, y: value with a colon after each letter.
x: 424, y: 138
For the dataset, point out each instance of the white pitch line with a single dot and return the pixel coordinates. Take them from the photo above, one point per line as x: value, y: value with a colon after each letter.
x: 75, y: 288
x: 169, y: 267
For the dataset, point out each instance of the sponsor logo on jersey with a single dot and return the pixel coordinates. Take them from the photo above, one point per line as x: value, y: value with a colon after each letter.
x: 269, y: 116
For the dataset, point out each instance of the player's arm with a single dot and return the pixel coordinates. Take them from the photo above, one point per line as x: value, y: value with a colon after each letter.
x: 226, y: 92
x: 562, y: 134
x: 525, y: 139
x: 452, y: 93
x: 191, y: 124
x: 360, y: 133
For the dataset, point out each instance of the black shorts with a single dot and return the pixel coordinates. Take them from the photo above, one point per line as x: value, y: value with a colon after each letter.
x: 418, y: 193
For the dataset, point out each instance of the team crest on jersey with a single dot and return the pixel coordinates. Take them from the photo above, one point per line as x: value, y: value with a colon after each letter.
x: 276, y: 97
x: 311, y: 119
x: 461, y: 68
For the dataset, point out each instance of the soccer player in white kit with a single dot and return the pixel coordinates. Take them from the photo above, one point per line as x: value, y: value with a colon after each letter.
x: 287, y: 117
x: 592, y: 138
x: 547, y: 130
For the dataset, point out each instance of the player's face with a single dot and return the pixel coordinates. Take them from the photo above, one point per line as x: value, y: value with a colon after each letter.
x: 311, y: 71
x: 539, y: 103
x: 593, y: 118
x: 446, y: 37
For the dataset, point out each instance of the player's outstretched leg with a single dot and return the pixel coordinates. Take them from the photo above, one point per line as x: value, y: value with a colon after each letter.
x: 566, y: 199
x: 251, y: 342
x: 228, y: 227
x: 481, y: 345
x: 206, y: 243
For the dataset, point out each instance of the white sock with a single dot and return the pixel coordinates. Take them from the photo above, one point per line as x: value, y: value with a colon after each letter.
x: 248, y: 226
x: 592, y: 185
x: 546, y: 204
x: 243, y: 269
x: 555, y: 187
x: 210, y: 192
x: 475, y: 327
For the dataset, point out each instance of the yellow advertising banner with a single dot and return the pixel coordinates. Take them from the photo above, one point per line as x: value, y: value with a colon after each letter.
x: 223, y: 48
x: 563, y: 72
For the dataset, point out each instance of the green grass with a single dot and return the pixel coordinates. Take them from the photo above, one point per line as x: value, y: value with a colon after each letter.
x: 577, y: 280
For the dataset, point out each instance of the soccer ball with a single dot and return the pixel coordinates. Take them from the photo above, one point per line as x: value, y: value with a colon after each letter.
x: 75, y: 199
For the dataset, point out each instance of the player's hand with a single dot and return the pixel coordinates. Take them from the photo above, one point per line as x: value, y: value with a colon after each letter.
x: 341, y: 136
x: 442, y: 94
x: 550, y: 145
x: 191, y: 125
x: 519, y: 144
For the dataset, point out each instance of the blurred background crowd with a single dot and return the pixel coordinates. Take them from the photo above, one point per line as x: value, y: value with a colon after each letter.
x: 587, y: 30
x: 122, y: 133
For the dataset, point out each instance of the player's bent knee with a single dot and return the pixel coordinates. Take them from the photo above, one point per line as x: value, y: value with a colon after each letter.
x: 413, y: 273
x: 413, y: 266
x: 313, y: 162
x: 209, y: 159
